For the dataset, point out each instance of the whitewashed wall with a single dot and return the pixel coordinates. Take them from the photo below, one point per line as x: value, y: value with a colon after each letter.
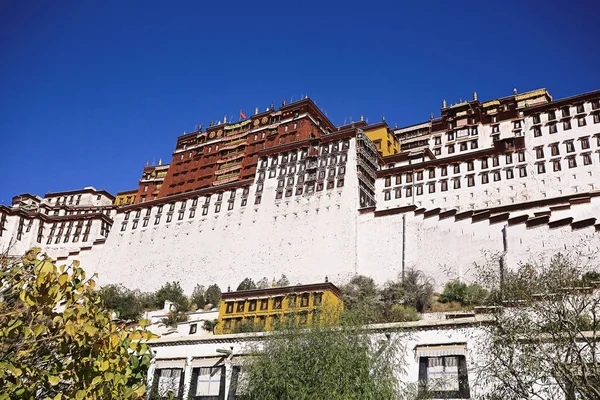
x: 306, y: 237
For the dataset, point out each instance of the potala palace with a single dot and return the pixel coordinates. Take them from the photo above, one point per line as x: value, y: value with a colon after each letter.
x: 285, y: 191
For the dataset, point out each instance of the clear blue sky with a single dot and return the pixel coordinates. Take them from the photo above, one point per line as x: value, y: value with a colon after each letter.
x: 89, y: 91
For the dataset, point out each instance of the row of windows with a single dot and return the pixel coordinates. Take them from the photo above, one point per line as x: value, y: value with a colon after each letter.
x: 293, y: 301
x: 566, y: 125
x: 439, y: 377
x: 301, y: 167
x: 310, y: 188
x: 293, y: 156
x: 566, y: 112
x: 569, y: 147
x: 409, y: 177
x: 485, y: 177
x: 78, y: 212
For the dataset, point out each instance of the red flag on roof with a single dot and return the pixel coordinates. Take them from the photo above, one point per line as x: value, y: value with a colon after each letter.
x: 242, y: 115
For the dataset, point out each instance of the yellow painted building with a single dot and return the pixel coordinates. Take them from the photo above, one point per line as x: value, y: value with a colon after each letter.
x: 383, y: 137
x: 264, y: 309
x: 125, y: 198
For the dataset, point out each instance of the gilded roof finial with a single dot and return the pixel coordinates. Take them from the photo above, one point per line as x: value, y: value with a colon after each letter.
x: 444, y: 103
x: 274, y: 283
x: 515, y: 91
x: 362, y: 118
x: 474, y: 96
x: 225, y: 119
x: 160, y: 161
x: 256, y: 111
x: 147, y: 162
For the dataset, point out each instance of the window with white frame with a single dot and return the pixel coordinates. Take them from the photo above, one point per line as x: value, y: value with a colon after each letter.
x: 168, y: 382
x: 207, y: 383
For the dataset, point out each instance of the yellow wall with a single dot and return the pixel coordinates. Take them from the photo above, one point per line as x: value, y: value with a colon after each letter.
x: 125, y: 198
x: 384, y: 139
x: 232, y: 313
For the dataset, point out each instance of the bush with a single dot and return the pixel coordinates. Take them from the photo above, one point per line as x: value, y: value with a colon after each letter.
x: 466, y: 295
x: 210, y: 326
x: 127, y: 304
x: 333, y: 363
x: 174, y: 318
x: 403, y: 314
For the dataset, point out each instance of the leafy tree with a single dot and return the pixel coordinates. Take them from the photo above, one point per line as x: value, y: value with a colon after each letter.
x: 391, y: 295
x: 57, y: 341
x: 173, y: 318
x: 246, y: 284
x: 172, y: 292
x: 323, y: 362
x: 545, y: 345
x: 591, y: 277
x: 466, y: 295
x: 361, y: 298
x: 263, y: 283
x: 210, y: 326
x: 198, y: 298
x: 283, y: 281
x: 213, y: 295
x: 418, y: 290
x: 128, y: 304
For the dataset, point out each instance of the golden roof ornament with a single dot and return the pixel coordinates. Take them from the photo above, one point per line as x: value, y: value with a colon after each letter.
x: 225, y: 119
x: 160, y: 161
x: 444, y: 103
x: 474, y: 96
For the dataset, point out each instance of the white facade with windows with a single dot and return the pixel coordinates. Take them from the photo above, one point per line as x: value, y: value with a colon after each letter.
x: 514, y: 183
x: 441, y: 358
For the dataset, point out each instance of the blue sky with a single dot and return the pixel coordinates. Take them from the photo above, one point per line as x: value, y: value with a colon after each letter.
x: 90, y: 91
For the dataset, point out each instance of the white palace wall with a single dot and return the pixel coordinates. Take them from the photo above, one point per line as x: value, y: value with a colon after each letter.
x: 305, y: 237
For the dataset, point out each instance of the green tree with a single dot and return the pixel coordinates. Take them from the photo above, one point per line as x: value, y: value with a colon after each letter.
x: 418, y: 290
x: 210, y: 326
x: 590, y: 277
x: 246, y: 284
x: 399, y: 313
x: 57, y: 340
x: 466, y: 295
x: 198, y: 297
x: 213, y: 295
x: 361, y: 298
x: 323, y: 362
x: 263, y: 283
x: 392, y: 295
x: 173, y: 318
x: 172, y: 292
x: 128, y: 304
x: 283, y: 281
